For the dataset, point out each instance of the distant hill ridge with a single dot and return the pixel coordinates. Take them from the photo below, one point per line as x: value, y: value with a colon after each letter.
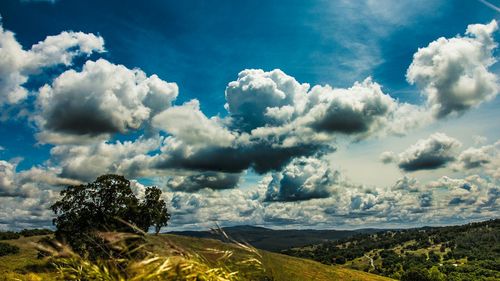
x: 277, y: 240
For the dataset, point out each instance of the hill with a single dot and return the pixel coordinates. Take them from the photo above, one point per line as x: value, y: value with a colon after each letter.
x: 276, y: 240
x: 25, y: 265
x: 467, y: 252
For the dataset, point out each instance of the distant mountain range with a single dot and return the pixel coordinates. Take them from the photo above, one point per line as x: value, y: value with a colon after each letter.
x: 276, y: 240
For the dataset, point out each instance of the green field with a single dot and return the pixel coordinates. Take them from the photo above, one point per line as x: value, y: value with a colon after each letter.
x: 25, y: 265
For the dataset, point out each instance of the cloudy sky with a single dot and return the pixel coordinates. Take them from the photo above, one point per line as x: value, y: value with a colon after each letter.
x: 314, y: 114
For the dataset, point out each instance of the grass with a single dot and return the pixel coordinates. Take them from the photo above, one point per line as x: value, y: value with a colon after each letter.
x: 275, y: 267
x: 24, y: 265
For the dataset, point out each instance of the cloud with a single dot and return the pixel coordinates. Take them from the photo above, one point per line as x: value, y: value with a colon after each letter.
x: 302, y: 179
x: 474, y: 191
x: 439, y: 150
x: 472, y: 157
x: 272, y: 120
x: 408, y: 184
x: 28, y: 183
x: 388, y: 157
x: 7, y: 172
x: 453, y: 73
x: 360, y: 109
x: 260, y: 155
x: 258, y: 98
x: 86, y: 162
x: 100, y: 100
x: 25, y: 196
x: 211, y: 180
x: 17, y: 64
x: 440, y: 201
x: 189, y: 124
x: 207, y: 207
x: 428, y: 154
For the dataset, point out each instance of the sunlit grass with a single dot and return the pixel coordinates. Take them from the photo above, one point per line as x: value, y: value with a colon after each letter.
x: 140, y: 262
x: 208, y: 256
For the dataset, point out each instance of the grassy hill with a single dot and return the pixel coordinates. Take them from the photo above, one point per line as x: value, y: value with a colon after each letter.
x: 25, y: 265
x: 467, y: 252
x: 277, y: 240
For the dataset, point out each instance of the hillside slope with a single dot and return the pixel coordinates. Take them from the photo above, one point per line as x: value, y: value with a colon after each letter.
x: 25, y: 265
x: 277, y: 240
x: 466, y: 252
x: 282, y: 267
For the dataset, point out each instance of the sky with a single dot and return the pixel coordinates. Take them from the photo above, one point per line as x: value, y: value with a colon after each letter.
x: 310, y: 114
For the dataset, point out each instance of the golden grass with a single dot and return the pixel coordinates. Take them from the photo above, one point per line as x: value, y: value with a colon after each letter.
x: 25, y: 265
x: 185, y: 257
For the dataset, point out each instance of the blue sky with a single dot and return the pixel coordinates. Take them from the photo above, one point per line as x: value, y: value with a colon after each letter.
x: 201, y: 47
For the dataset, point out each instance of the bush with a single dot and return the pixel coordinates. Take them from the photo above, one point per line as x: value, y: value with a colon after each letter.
x: 7, y: 249
x: 35, y: 232
x: 340, y: 260
x: 8, y: 235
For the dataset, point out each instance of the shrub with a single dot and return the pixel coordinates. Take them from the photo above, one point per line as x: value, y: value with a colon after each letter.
x: 35, y: 232
x: 7, y: 249
x: 8, y: 235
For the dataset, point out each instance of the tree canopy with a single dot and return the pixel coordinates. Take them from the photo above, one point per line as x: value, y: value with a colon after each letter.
x: 103, y: 205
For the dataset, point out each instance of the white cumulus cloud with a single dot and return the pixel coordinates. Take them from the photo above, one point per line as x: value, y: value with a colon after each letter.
x: 454, y: 73
x: 17, y: 64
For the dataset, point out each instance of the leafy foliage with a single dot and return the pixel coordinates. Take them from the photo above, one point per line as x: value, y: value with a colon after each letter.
x: 104, y: 205
x: 154, y: 209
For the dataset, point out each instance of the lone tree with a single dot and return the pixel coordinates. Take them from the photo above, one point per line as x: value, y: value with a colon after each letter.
x: 154, y: 209
x: 86, y: 209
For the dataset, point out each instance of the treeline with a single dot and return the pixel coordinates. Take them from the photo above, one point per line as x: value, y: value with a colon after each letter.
x: 11, y: 235
x: 467, y: 252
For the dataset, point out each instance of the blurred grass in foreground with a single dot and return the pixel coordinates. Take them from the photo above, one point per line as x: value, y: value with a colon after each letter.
x: 137, y: 261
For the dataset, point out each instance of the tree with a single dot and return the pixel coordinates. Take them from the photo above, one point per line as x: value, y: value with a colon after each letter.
x: 416, y: 274
x: 99, y: 206
x: 436, y: 275
x: 154, y: 209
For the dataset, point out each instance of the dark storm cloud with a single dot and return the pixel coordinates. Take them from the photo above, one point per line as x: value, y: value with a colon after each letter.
x: 425, y: 162
x: 212, y: 180
x: 260, y: 157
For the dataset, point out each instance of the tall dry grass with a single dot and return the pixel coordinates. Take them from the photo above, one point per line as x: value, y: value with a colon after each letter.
x: 135, y: 261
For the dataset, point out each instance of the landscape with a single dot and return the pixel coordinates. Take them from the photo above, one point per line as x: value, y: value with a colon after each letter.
x: 260, y: 140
